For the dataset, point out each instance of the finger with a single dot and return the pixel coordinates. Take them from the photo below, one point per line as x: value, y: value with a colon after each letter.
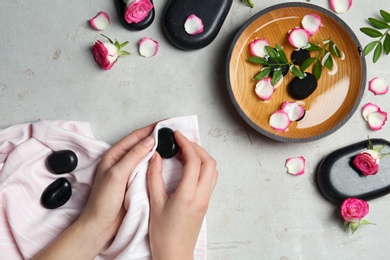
x: 191, y: 164
x: 156, y: 182
x: 208, y: 174
x: 115, y: 153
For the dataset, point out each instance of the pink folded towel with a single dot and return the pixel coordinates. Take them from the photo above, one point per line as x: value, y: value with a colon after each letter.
x: 26, y: 227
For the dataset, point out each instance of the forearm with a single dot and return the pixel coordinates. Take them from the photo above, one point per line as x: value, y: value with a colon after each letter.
x: 76, y: 242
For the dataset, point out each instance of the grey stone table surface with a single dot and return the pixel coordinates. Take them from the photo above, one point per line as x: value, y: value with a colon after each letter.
x: 258, y: 210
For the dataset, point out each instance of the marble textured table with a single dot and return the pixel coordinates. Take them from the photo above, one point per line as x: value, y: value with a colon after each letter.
x: 258, y: 211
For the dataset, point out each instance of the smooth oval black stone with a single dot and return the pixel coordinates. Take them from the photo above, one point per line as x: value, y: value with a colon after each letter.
x: 166, y: 143
x: 56, y: 194
x: 338, y: 179
x: 299, y: 56
x: 212, y: 13
x: 302, y: 88
x: 121, y: 7
x: 63, y: 161
x: 273, y: 67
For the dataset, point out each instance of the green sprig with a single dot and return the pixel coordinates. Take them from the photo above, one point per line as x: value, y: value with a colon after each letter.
x: 381, y: 44
x: 248, y: 3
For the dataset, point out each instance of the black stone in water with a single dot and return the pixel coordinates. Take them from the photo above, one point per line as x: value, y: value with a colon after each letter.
x: 338, y: 179
x: 166, y: 144
x: 63, y: 161
x: 302, y: 88
x: 56, y: 194
x: 273, y: 66
x: 299, y: 56
x: 212, y: 13
x: 121, y: 8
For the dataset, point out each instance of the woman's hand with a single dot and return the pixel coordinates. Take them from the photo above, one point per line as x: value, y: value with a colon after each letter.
x: 104, y: 212
x: 176, y: 219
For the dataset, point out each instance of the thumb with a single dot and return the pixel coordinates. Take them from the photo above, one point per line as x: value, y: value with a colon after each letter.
x: 156, y: 182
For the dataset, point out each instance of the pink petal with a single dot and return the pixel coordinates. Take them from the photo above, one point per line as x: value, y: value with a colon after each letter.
x: 294, y: 110
x: 193, y: 25
x: 257, y: 47
x: 279, y: 120
x: 101, y: 21
x: 299, y: 38
x: 376, y: 120
x: 296, y: 165
x: 378, y: 86
x: 264, y: 89
x: 340, y: 6
x: 311, y: 23
x: 148, y: 47
x: 368, y: 109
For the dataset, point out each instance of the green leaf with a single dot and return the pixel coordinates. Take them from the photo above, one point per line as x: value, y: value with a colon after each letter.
x: 297, y: 72
x: 334, y: 50
x: 123, y: 44
x: 313, y: 47
x: 329, y: 62
x: 317, y: 70
x: 371, y: 32
x: 386, y: 44
x: 272, y: 53
x: 276, y: 76
x: 263, y: 74
x: 369, y: 47
x: 307, y: 63
x: 258, y: 60
x: 107, y: 38
x: 248, y: 3
x: 281, y: 54
x: 385, y: 15
x: 366, y: 222
x: 377, y: 52
x: 378, y: 23
x: 123, y: 53
x: 354, y: 226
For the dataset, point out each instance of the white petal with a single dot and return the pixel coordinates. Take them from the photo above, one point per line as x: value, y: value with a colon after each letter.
x: 299, y: 38
x: 257, y: 47
x: 378, y: 86
x: 296, y: 165
x: 340, y: 6
x: 368, y: 109
x: 311, y: 23
x: 264, y: 89
x: 279, y: 120
x: 193, y: 25
x: 294, y: 110
x: 148, y: 47
x: 101, y: 21
x: 377, y: 119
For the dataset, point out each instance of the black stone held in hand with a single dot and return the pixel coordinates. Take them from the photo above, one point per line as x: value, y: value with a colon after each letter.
x: 56, y: 194
x: 166, y: 143
x: 63, y: 161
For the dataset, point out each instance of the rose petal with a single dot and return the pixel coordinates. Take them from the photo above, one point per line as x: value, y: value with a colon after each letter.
x: 377, y: 119
x: 378, y: 86
x: 148, y: 47
x: 340, y: 6
x: 279, y: 120
x: 101, y: 21
x: 193, y: 25
x: 311, y: 23
x: 299, y: 38
x: 296, y: 165
x: 294, y: 110
x: 257, y: 47
x: 368, y: 109
x: 264, y: 89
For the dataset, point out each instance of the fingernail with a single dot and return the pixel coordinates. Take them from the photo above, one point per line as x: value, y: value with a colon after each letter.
x: 148, y: 141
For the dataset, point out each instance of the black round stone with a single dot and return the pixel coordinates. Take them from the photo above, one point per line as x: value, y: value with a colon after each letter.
x: 273, y: 66
x: 166, y: 143
x: 63, y: 161
x: 302, y: 88
x: 56, y: 194
x: 299, y: 56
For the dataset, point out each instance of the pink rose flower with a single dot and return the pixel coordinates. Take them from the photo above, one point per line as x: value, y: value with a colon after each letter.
x: 365, y: 163
x: 106, y: 54
x: 137, y: 10
x: 353, y: 210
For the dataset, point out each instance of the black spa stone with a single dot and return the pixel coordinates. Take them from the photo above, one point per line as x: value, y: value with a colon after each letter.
x: 63, y: 161
x: 299, y: 56
x: 273, y: 66
x: 338, y: 179
x: 302, y: 88
x: 212, y: 13
x: 166, y: 143
x: 56, y: 194
x: 121, y: 7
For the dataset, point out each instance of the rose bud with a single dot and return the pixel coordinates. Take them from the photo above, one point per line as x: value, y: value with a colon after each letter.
x: 137, y: 10
x: 366, y: 163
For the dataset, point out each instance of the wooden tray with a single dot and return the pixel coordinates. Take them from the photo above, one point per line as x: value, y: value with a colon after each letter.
x: 336, y: 97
